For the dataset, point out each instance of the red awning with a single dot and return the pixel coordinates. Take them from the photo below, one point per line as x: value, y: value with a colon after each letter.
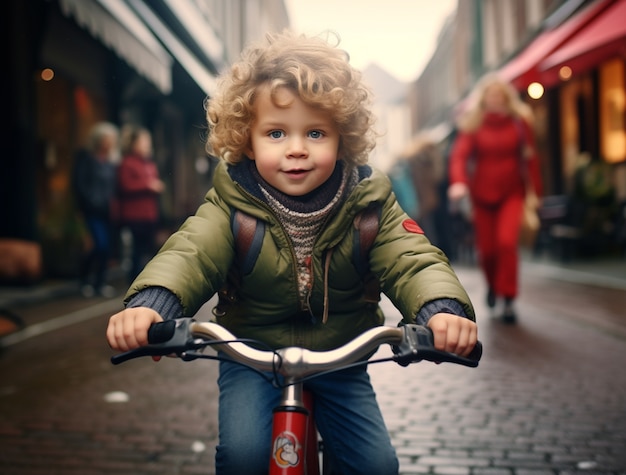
x: 603, y: 38
x: 524, y: 68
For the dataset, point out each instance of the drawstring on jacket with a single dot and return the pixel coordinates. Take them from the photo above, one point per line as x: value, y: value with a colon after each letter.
x: 326, y: 271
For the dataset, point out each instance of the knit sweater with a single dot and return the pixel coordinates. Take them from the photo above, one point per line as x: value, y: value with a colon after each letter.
x: 304, y: 216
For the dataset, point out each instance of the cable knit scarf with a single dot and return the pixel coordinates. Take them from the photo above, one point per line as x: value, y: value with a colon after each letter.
x: 304, y: 216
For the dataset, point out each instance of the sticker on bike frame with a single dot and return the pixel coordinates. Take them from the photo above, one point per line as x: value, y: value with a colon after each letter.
x: 286, y: 450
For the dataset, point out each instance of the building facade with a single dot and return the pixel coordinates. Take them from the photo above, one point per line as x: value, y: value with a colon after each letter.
x: 567, y: 60
x: 72, y: 63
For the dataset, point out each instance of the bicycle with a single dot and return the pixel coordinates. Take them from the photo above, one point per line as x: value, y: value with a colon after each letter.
x: 295, y: 446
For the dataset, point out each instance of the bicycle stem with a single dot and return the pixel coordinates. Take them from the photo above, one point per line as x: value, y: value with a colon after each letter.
x: 292, y: 393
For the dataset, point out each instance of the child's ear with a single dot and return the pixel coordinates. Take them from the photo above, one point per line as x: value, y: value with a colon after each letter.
x: 249, y: 152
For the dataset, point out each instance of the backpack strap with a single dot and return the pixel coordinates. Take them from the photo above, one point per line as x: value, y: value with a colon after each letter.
x: 366, y: 225
x: 248, y: 232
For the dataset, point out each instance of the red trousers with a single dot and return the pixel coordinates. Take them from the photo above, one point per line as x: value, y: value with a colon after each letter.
x: 497, y: 229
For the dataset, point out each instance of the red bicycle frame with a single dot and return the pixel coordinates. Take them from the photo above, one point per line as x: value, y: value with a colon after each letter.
x: 294, y: 436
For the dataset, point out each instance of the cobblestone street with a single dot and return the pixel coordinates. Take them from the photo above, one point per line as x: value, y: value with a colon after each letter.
x: 549, y: 397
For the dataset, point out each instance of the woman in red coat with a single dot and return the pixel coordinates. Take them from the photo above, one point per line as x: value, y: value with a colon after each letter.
x: 139, y: 187
x: 493, y: 160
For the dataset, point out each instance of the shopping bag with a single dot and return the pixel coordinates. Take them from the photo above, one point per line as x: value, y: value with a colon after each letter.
x: 530, y: 220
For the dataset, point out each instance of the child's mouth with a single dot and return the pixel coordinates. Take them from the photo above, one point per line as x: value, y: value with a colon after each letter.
x: 296, y: 173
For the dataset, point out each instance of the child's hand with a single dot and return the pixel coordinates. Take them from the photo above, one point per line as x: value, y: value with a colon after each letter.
x: 128, y: 329
x: 453, y: 334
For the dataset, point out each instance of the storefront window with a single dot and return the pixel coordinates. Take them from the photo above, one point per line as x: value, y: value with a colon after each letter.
x: 577, y: 127
x: 612, y: 110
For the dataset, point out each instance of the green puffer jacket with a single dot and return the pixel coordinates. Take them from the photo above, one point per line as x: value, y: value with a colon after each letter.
x: 195, y: 261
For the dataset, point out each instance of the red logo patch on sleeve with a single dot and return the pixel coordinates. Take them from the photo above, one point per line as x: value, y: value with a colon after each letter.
x: 412, y: 227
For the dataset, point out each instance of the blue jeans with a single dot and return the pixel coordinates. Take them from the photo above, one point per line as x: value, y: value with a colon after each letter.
x: 346, y: 413
x: 98, y: 257
x: 143, y: 246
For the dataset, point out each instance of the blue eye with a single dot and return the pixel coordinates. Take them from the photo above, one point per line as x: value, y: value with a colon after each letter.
x: 316, y: 134
x: 276, y: 134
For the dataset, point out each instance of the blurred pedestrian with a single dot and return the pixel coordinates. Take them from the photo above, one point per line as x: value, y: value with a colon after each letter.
x: 426, y: 172
x: 455, y: 217
x: 403, y: 187
x: 139, y: 187
x: 493, y: 159
x: 94, y: 190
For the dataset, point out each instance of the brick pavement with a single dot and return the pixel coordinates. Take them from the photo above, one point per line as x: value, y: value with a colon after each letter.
x: 548, y: 398
x: 55, y: 419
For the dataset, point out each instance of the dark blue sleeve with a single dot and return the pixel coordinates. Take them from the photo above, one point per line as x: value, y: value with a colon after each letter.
x: 439, y: 306
x: 164, y: 302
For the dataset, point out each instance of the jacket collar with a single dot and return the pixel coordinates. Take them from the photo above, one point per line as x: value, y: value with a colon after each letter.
x: 238, y: 190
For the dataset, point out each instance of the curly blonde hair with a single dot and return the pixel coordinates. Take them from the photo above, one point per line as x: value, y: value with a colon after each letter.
x: 471, y: 118
x: 317, y: 71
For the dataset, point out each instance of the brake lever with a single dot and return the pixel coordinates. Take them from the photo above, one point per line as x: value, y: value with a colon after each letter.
x: 173, y: 337
x: 418, y: 344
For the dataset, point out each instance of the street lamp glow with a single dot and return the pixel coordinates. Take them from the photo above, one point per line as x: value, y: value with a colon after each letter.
x: 47, y: 74
x: 565, y: 73
x: 535, y: 90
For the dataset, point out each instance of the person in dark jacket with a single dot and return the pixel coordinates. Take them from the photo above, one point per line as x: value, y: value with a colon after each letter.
x: 139, y: 187
x: 94, y: 185
x: 292, y: 124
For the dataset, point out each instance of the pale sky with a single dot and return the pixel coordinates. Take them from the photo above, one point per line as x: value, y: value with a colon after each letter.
x: 398, y: 35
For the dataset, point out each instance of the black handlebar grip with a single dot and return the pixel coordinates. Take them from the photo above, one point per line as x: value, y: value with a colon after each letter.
x: 161, y: 332
x: 418, y: 344
x: 477, y: 353
x: 129, y: 355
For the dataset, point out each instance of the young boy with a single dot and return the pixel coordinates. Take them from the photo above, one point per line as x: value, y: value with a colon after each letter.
x: 292, y: 125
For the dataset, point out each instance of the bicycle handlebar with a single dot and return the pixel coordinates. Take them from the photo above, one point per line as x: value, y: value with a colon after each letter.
x: 409, y: 343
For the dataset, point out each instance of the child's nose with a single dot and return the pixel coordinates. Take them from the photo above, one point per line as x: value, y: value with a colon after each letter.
x: 297, y: 148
